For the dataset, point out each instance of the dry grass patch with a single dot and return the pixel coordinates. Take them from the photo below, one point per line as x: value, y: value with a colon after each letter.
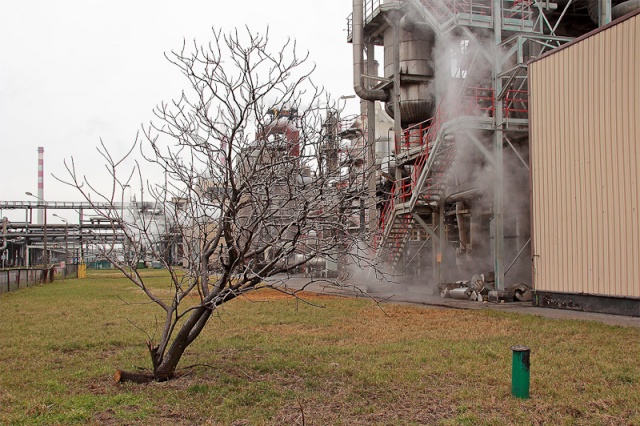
x: 268, y: 359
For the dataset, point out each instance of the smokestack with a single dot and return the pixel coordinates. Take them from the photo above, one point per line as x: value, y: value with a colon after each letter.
x: 41, y: 183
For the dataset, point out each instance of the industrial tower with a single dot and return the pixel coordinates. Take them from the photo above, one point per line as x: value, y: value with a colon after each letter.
x: 455, y: 83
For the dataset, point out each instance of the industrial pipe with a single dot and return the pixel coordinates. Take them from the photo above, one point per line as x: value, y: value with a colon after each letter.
x: 461, y: 293
x: 624, y: 8
x: 520, y: 371
x: 4, y: 234
x: 408, y: 23
x: 617, y: 10
x: 358, y: 61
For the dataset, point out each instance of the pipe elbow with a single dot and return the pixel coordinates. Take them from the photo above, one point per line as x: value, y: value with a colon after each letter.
x: 408, y: 23
x: 358, y: 61
x: 371, y: 94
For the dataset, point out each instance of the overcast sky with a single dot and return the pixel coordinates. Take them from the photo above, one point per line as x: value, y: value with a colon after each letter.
x: 72, y: 72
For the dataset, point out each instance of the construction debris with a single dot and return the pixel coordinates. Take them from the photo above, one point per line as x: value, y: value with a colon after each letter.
x: 481, y: 287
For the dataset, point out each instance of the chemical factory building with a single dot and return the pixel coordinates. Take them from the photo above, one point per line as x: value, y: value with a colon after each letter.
x: 584, y: 136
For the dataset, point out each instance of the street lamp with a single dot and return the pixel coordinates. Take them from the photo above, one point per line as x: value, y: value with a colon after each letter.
x: 45, y: 257
x: 66, y: 239
x: 122, y: 203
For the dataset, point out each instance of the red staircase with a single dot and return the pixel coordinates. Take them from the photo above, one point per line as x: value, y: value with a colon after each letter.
x: 431, y: 164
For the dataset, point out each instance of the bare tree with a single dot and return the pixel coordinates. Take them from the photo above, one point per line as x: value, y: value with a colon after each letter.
x: 250, y: 190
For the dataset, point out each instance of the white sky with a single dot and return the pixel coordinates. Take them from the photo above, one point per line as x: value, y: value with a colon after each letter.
x: 72, y: 72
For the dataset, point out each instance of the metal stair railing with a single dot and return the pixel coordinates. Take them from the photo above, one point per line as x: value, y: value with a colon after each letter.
x: 475, y: 100
x: 396, y: 251
x: 516, y: 104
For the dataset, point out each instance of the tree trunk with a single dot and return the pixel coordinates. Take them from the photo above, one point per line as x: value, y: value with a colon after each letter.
x: 124, y: 376
x: 165, y: 367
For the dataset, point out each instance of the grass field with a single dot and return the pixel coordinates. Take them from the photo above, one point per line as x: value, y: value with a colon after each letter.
x: 268, y: 360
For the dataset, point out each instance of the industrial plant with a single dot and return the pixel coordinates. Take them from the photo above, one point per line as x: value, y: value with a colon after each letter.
x: 503, y: 134
x: 501, y: 110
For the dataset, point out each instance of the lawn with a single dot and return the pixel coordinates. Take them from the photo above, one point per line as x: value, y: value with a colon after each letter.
x: 269, y: 360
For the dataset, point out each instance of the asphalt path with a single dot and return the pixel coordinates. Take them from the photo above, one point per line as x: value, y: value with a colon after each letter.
x: 418, y: 293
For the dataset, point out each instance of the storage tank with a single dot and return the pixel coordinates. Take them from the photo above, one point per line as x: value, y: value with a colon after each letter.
x: 416, y: 45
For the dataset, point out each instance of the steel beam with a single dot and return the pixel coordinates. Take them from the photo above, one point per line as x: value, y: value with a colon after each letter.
x: 498, y: 166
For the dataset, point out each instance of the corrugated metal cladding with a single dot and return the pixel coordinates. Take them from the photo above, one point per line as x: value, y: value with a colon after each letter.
x: 585, y: 158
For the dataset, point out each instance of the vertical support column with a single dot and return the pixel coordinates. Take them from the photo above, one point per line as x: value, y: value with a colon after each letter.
x: 604, y: 12
x: 435, y: 246
x: 441, y: 245
x: 397, y: 116
x: 371, y: 142
x: 28, y: 219
x: 80, y: 219
x: 498, y: 188
x: 45, y: 258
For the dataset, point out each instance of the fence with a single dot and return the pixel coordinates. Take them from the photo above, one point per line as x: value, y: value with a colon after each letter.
x: 14, y: 279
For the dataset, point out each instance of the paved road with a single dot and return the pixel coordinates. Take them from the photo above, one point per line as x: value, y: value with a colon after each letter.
x: 421, y: 294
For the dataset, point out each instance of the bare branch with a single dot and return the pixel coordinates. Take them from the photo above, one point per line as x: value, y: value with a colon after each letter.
x: 249, y: 192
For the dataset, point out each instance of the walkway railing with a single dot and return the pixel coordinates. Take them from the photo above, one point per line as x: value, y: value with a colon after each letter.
x: 474, y: 101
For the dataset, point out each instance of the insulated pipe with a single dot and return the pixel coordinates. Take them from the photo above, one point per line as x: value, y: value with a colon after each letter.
x: 621, y: 9
x: 461, y: 293
x: 624, y: 8
x: 407, y: 23
x: 358, y: 62
x: 4, y: 234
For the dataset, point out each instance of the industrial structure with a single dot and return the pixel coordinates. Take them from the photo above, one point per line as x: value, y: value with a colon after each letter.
x: 28, y: 243
x: 585, y: 110
x: 271, y: 170
x: 456, y: 83
x: 505, y: 136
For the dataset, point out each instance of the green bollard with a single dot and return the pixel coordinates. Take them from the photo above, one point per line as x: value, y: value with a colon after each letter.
x: 520, y: 366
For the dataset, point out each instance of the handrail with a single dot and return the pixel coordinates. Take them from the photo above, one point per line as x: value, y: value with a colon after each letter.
x: 368, y: 7
x: 519, y: 10
x: 413, y: 136
x: 475, y: 101
x: 445, y: 9
x: 515, y: 101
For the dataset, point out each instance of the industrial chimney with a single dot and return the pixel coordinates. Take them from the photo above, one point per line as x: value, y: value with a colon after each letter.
x: 41, y: 183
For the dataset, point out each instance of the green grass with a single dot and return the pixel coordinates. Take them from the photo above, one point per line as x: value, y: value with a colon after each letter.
x: 269, y: 359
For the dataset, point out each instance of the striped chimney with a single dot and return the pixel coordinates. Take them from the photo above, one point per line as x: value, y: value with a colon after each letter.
x: 40, y: 183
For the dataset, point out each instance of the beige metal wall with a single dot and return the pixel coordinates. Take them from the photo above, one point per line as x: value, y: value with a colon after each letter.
x: 585, y: 157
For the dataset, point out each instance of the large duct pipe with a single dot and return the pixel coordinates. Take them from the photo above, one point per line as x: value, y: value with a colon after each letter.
x: 358, y: 61
x: 617, y: 11
x: 624, y: 8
